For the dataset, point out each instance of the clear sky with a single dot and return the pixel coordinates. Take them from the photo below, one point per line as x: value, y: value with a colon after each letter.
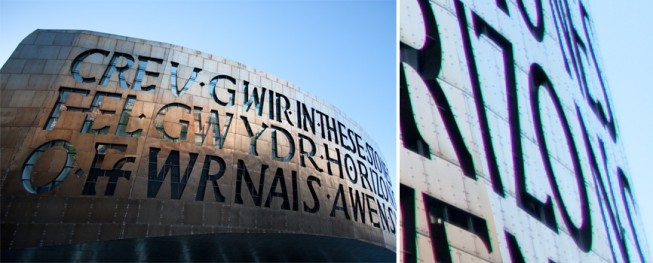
x: 623, y: 29
x: 343, y: 52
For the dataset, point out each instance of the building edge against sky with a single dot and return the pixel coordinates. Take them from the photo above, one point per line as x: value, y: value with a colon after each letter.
x: 116, y: 138
x: 529, y: 6
x: 509, y: 144
x: 623, y: 54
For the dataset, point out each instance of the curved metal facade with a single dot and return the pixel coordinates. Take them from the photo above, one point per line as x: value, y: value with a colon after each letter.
x: 510, y: 150
x: 114, y: 138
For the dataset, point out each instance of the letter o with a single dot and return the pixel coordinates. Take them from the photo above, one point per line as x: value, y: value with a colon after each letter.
x: 582, y: 234
x: 61, y: 177
x: 351, y: 168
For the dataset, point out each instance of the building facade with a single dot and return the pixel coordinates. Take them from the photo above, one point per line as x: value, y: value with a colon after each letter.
x: 510, y: 151
x: 116, y: 148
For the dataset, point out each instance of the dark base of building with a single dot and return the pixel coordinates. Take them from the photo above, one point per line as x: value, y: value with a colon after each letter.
x: 231, y: 247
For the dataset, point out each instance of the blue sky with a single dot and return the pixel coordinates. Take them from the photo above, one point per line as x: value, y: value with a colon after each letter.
x: 624, y: 36
x: 343, y: 52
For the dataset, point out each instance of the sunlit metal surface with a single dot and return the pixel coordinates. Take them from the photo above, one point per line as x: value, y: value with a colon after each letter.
x: 108, y: 138
x: 508, y: 133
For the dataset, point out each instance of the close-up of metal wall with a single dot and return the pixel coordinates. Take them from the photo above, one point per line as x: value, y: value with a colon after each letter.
x: 509, y: 147
x: 122, y: 149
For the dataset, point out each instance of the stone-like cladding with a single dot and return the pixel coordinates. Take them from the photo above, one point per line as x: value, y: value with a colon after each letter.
x: 107, y: 137
x: 511, y: 151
